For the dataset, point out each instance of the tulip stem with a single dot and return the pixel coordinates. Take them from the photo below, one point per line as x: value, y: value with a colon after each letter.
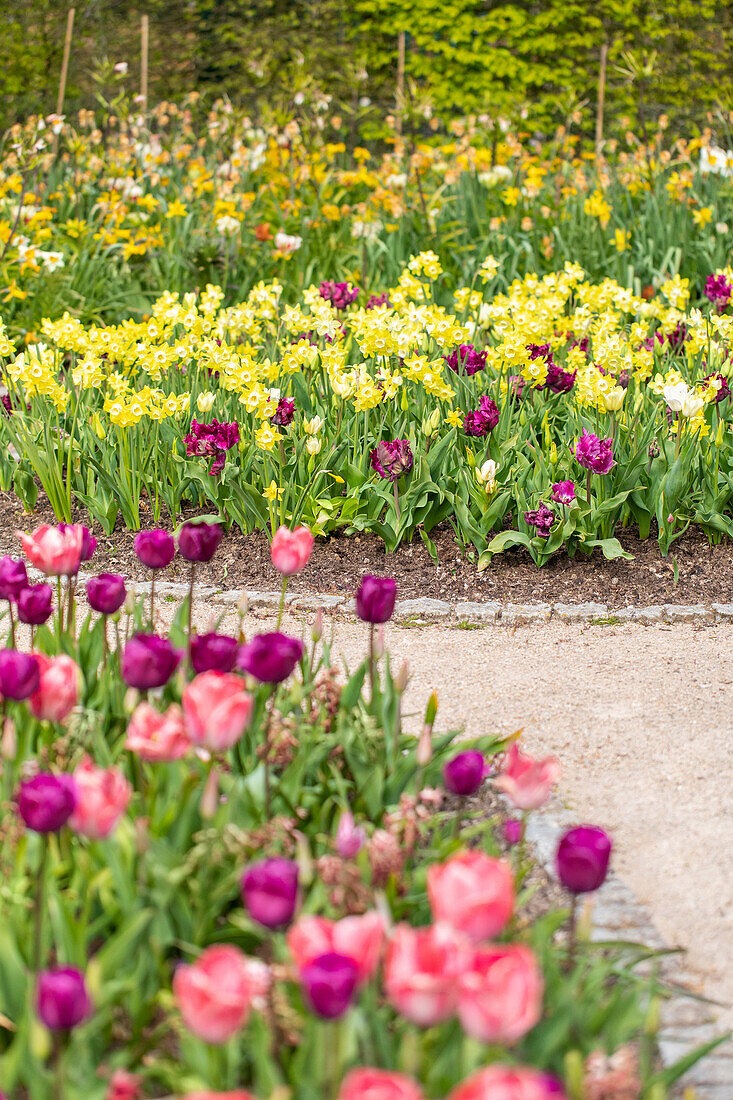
x: 573, y: 932
x: 38, y: 903
x: 57, y: 1062
x: 397, y: 501
x: 61, y: 605
x: 266, y: 760
x: 70, y: 616
x: 372, y: 669
x: 152, y: 602
x: 332, y: 1059
x: 587, y: 487
x: 190, y: 607
x: 281, y: 608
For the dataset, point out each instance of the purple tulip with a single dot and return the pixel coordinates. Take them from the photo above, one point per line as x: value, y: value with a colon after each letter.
x: 542, y: 520
x: 329, y: 984
x: 593, y: 453
x: 512, y: 830
x: 106, y: 593
x: 155, y: 549
x: 47, y: 801
x: 563, y: 492
x: 465, y: 773
x: 582, y: 858
x: 35, y: 604
x: 88, y: 541
x: 392, y: 460
x: 199, y: 541
x: 62, y: 1000
x: 270, y: 891
x: 19, y: 675
x: 13, y: 578
x: 213, y: 652
x: 375, y: 599
x: 149, y: 661
x: 270, y: 657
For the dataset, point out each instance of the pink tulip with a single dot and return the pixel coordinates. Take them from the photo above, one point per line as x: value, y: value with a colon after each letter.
x: 124, y: 1086
x: 359, y: 938
x: 157, y: 737
x: 473, y: 893
x: 237, y: 1094
x: 58, y: 687
x: 53, y: 550
x: 291, y: 550
x: 103, y: 795
x: 421, y: 971
x: 500, y: 995
x: 525, y: 781
x: 216, y: 709
x: 499, y: 1082
x: 366, y: 1083
x: 215, y: 993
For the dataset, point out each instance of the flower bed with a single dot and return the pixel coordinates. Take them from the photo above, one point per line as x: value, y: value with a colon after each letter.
x: 545, y: 417
x: 226, y: 867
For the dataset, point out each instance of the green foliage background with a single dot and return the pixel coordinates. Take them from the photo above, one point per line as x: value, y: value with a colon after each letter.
x: 525, y: 58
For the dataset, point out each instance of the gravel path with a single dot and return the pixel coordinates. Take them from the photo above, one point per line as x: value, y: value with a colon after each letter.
x: 640, y: 717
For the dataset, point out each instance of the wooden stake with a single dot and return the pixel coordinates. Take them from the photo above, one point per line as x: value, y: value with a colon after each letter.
x: 400, y: 97
x: 144, y: 62
x: 601, y: 98
x: 65, y: 62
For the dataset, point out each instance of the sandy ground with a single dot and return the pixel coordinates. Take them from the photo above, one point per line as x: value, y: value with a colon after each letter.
x: 641, y: 719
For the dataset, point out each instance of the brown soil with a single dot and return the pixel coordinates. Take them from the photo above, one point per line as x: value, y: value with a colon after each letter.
x: 705, y: 573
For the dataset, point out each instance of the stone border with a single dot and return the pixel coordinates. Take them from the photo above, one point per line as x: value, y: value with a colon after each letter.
x: 685, y: 1023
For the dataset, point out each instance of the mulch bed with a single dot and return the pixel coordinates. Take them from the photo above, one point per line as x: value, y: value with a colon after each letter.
x: 705, y: 573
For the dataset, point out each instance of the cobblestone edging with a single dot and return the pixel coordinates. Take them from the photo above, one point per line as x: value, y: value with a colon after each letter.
x: 685, y: 1024
x: 425, y: 609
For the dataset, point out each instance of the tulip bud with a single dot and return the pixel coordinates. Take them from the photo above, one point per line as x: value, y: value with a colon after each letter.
x: 574, y: 1075
x: 243, y: 605
x: 651, y: 1022
x: 424, y: 752
x: 317, y: 628
x: 431, y: 710
x: 402, y: 678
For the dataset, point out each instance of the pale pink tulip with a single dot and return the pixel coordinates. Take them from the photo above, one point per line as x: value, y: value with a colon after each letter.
x: 58, y: 688
x: 157, y: 737
x: 525, y: 781
x: 216, y: 709
x: 215, y: 994
x: 421, y: 971
x: 103, y: 795
x: 500, y: 995
x: 291, y: 550
x: 473, y: 893
x: 53, y: 550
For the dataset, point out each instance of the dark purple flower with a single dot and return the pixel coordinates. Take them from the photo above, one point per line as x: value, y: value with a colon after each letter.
x: 155, y: 548
x: 284, y: 413
x: 482, y: 420
x: 19, y: 676
x: 376, y: 300
x: 199, y: 542
x: 270, y: 657
x: 375, y: 599
x: 392, y: 460
x: 13, y: 578
x: 149, y: 661
x: 582, y: 858
x: 212, y: 441
x: 106, y: 593
x: 62, y: 1000
x: 559, y: 380
x: 539, y: 351
x: 512, y: 830
x: 563, y: 492
x: 270, y: 891
x: 213, y: 652
x: 340, y: 295
x: 542, y: 520
x: 676, y: 338
x: 35, y: 604
x: 718, y: 290
x: 465, y: 773
x: 466, y: 358
x: 724, y: 390
x: 329, y: 984
x: 46, y: 802
x: 593, y: 453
